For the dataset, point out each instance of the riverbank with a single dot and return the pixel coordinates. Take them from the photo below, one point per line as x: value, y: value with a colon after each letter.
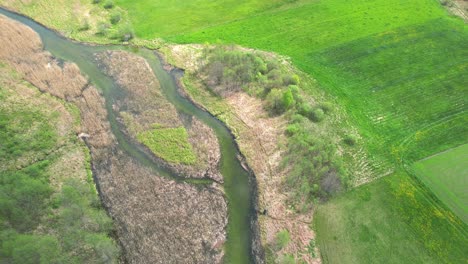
x: 143, y: 111
x: 261, y: 140
x: 50, y: 209
x: 149, y: 211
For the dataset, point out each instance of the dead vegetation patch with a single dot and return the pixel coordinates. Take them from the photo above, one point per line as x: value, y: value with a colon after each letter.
x: 157, y: 219
x: 144, y: 106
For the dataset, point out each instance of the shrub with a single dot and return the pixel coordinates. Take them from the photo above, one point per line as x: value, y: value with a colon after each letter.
x: 291, y: 79
x: 124, y: 33
x: 288, y: 99
x: 102, y: 28
x: 84, y: 25
x: 97, y: 1
x: 115, y: 18
x: 275, y: 102
x: 317, y: 115
x: 108, y: 4
x: 327, y: 107
x: 292, y: 129
x: 350, y: 140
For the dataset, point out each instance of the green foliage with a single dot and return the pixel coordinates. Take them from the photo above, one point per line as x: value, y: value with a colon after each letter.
x: 23, y: 199
x: 282, y: 239
x: 39, y: 224
x: 124, y: 33
x: 115, y: 17
x: 170, y: 144
x: 18, y: 136
x: 102, y: 28
x: 108, y: 4
x: 311, y: 248
x: 350, y: 140
x: 288, y: 99
x: 315, y: 168
x: 230, y: 69
x: 275, y: 102
x: 32, y: 249
x: 84, y: 25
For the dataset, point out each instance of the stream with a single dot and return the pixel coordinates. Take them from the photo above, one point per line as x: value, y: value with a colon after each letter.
x: 239, y: 184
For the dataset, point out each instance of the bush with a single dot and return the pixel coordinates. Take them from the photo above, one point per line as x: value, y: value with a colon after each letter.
x: 291, y: 79
x: 84, y: 25
x: 102, y: 28
x: 292, y: 129
x: 115, y: 18
x: 314, y: 167
x: 288, y: 99
x: 317, y: 115
x: 124, y: 33
x: 275, y: 102
x: 350, y: 140
x: 97, y: 1
x: 108, y: 4
x: 327, y: 107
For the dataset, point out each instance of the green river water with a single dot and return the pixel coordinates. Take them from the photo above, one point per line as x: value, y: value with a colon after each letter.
x: 239, y: 185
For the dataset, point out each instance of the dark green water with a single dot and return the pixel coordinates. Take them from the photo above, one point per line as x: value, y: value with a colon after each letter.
x: 238, y: 188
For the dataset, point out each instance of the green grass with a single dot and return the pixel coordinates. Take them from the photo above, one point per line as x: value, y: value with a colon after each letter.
x: 391, y: 220
x: 170, y: 144
x: 397, y: 66
x: 165, y: 18
x: 446, y: 175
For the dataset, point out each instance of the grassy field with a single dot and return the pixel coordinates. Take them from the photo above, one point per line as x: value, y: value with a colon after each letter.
x: 384, y: 61
x: 446, y: 174
x: 391, y: 220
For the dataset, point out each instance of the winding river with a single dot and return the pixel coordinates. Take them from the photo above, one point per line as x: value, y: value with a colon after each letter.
x: 239, y: 184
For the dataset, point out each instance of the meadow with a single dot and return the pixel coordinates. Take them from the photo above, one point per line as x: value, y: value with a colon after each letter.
x: 391, y: 220
x: 446, y: 175
x: 397, y: 66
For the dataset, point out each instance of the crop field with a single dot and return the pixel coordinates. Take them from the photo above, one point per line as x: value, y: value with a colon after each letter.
x: 391, y: 220
x: 396, y: 66
x: 446, y: 174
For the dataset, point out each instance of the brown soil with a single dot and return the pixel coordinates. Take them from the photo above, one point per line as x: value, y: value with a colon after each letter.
x: 157, y: 220
x: 260, y: 138
x: 144, y: 106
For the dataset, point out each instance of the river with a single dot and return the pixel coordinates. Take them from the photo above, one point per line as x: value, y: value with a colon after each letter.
x: 239, y: 184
